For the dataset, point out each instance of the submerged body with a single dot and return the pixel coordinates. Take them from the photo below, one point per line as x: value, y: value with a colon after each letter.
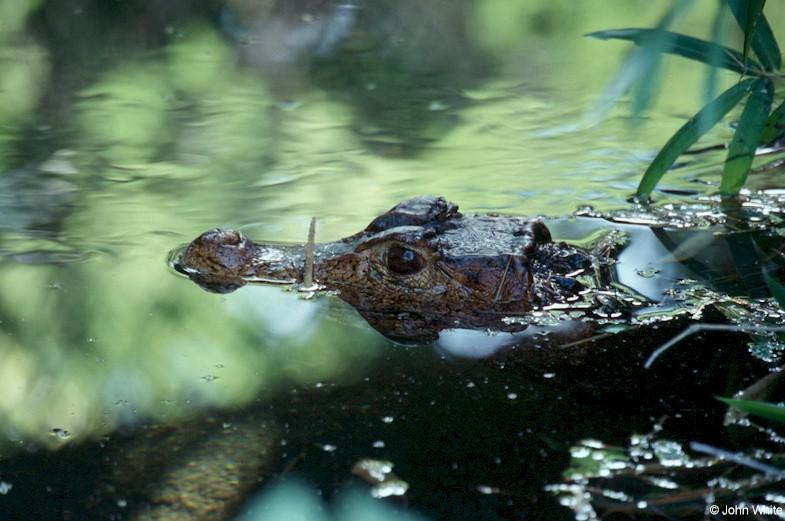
x: 417, y: 269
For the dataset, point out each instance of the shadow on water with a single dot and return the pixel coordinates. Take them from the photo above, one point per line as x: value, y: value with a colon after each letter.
x: 471, y: 439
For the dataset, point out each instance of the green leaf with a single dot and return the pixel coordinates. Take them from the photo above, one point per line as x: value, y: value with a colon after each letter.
x: 775, y: 126
x: 686, y: 46
x: 753, y: 8
x: 757, y: 32
x: 689, y: 133
x: 775, y: 286
x: 767, y: 410
x: 747, y: 137
x: 635, y: 66
x: 638, y: 64
x: 647, y: 89
x: 715, y: 55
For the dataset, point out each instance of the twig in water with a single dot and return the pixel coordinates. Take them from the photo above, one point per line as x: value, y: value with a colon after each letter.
x: 696, y: 328
x: 738, y: 459
x: 291, y: 464
x: 310, y: 246
x: 501, y: 282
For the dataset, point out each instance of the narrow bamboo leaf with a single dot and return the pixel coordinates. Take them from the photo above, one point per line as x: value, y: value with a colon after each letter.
x: 632, y: 69
x: 775, y: 126
x: 686, y: 46
x: 747, y: 137
x: 689, y: 133
x: 753, y: 9
x: 637, y: 64
x: 767, y: 410
x: 715, y: 55
x: 677, y: 8
x: 749, y: 14
x: 775, y: 286
x: 647, y: 88
x: 765, y: 45
x: 655, y: 44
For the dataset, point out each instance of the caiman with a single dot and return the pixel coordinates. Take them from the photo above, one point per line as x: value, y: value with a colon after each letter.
x: 423, y: 270
x: 418, y: 268
x: 423, y: 267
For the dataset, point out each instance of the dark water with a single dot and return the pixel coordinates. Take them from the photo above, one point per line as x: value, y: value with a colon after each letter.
x: 128, y: 128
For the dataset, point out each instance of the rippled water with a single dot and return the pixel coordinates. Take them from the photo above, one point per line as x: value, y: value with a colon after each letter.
x: 124, y: 134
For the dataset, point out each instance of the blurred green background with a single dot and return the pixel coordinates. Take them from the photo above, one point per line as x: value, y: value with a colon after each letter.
x: 127, y: 128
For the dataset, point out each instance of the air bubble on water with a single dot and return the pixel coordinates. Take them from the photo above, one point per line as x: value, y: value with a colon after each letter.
x: 375, y: 471
x: 669, y: 453
x: 593, y: 444
x: 390, y: 487
x: 487, y: 489
x: 60, y: 433
x: 580, y: 452
x: 775, y: 498
x: 664, y: 483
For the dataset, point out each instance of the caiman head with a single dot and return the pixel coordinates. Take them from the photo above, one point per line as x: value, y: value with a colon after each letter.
x: 417, y: 269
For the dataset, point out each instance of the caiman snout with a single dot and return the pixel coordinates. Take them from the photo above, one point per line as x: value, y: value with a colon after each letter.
x: 224, y: 260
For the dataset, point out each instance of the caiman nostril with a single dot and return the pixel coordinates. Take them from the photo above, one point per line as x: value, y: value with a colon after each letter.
x: 232, y: 238
x: 220, y: 237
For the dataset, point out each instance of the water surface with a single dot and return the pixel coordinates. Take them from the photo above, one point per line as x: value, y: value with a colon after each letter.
x: 126, y: 131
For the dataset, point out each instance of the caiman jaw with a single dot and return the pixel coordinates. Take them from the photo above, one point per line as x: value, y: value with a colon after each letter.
x: 225, y: 260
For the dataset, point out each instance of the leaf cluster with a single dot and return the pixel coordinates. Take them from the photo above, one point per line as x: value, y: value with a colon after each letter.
x: 759, y: 64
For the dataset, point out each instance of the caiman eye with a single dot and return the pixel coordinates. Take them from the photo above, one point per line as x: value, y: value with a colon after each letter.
x: 404, y: 261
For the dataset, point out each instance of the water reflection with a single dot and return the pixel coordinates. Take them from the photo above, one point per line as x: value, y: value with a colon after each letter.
x: 88, y: 369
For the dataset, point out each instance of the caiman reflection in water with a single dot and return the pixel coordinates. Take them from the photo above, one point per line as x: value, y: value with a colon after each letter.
x: 417, y: 269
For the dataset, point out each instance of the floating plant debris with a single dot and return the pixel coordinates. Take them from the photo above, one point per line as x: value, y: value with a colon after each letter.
x: 379, y: 473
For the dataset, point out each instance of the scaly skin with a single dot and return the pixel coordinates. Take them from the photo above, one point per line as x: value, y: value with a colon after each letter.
x: 416, y: 269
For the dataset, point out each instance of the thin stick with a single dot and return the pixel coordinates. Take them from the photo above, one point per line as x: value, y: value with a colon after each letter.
x: 310, y: 247
x: 501, y: 282
x: 738, y: 459
x: 695, y: 328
